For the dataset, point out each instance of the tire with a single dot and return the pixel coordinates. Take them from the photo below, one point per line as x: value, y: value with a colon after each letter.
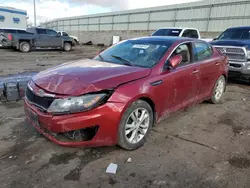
x: 67, y: 46
x: 25, y: 47
x: 218, y: 90
x: 142, y: 128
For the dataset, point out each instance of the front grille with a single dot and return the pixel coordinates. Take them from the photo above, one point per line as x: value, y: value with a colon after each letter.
x: 235, y: 65
x: 43, y: 102
x: 233, y: 53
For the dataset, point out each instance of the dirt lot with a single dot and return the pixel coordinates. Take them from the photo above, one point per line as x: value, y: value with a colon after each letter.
x: 203, y: 146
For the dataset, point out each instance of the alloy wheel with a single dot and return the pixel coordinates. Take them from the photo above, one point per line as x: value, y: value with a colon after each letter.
x: 137, y: 125
x: 219, y: 89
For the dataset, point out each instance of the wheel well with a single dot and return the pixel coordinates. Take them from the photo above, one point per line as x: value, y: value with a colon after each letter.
x: 226, y: 79
x: 68, y: 42
x: 152, y: 105
x: 20, y: 41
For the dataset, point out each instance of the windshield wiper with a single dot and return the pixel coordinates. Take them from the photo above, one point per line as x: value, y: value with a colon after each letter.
x: 125, y: 61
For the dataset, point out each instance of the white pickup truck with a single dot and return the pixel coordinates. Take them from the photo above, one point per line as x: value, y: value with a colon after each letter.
x: 180, y: 32
x: 63, y: 33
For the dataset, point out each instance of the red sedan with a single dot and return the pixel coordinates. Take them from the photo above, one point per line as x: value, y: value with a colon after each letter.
x: 116, y: 97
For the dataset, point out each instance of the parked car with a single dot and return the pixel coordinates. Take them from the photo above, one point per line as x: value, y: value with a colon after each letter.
x: 235, y: 43
x: 179, y: 32
x: 38, y: 38
x: 8, y: 30
x: 63, y: 33
x: 116, y: 97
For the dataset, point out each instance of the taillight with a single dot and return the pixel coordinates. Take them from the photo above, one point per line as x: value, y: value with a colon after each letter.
x: 9, y: 37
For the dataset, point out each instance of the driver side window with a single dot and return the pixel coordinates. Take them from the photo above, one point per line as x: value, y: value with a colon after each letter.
x: 185, y: 51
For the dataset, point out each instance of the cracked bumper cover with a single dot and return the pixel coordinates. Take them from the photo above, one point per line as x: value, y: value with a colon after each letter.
x: 107, y: 117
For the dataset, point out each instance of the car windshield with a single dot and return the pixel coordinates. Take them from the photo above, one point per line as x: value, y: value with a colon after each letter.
x: 235, y: 34
x: 167, y: 32
x: 142, y: 53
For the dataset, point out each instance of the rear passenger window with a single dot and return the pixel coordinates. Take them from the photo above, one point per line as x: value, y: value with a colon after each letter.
x: 21, y: 32
x: 41, y: 31
x: 51, y: 32
x: 190, y: 33
x: 30, y: 30
x: 202, y: 51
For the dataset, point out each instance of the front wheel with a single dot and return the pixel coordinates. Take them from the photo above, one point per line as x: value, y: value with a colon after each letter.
x: 67, y: 46
x: 135, y: 125
x: 218, y: 90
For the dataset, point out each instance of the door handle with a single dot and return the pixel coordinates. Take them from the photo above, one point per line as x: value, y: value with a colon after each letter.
x: 156, y: 83
x: 195, y: 71
x: 217, y: 63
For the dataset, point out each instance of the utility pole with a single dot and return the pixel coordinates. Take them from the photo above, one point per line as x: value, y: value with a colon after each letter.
x: 34, y: 12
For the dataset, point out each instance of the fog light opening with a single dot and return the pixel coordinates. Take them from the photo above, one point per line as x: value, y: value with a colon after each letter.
x: 82, y: 134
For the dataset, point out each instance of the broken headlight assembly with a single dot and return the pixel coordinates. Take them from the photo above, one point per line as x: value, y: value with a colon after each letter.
x: 78, y: 104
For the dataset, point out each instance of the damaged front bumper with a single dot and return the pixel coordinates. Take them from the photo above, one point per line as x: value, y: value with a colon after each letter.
x: 101, y: 123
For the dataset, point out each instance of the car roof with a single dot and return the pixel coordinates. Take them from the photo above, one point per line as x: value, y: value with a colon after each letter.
x: 177, y: 28
x: 241, y: 27
x: 165, y: 38
x: 14, y: 29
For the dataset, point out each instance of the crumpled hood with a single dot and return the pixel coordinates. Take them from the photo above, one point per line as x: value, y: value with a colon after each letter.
x: 84, y: 76
x: 240, y: 43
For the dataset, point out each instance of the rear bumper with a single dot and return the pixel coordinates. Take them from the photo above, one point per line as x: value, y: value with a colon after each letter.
x: 106, y: 117
x: 241, y: 69
x: 5, y: 43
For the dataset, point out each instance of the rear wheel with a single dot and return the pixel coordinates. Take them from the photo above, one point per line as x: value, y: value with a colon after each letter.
x: 67, y: 46
x: 25, y: 47
x: 135, y: 125
x: 218, y: 90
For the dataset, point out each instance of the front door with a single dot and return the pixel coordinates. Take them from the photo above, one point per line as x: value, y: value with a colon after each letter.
x: 186, y: 78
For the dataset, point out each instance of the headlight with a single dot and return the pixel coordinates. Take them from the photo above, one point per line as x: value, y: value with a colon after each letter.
x: 248, y: 54
x: 77, y: 104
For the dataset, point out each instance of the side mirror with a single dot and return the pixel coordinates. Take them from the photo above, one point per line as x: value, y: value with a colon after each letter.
x: 175, y: 61
x: 215, y: 38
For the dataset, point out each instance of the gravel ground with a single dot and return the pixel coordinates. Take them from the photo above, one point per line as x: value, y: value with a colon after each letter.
x: 203, y: 146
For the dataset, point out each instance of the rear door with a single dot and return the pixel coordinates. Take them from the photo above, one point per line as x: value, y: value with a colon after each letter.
x: 186, y: 79
x: 54, y: 37
x: 42, y: 39
x: 209, y: 67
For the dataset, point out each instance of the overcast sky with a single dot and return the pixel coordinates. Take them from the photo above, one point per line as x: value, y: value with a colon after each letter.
x: 51, y: 9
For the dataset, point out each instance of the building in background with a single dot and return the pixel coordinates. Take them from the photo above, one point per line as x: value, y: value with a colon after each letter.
x: 211, y: 17
x: 13, y: 18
